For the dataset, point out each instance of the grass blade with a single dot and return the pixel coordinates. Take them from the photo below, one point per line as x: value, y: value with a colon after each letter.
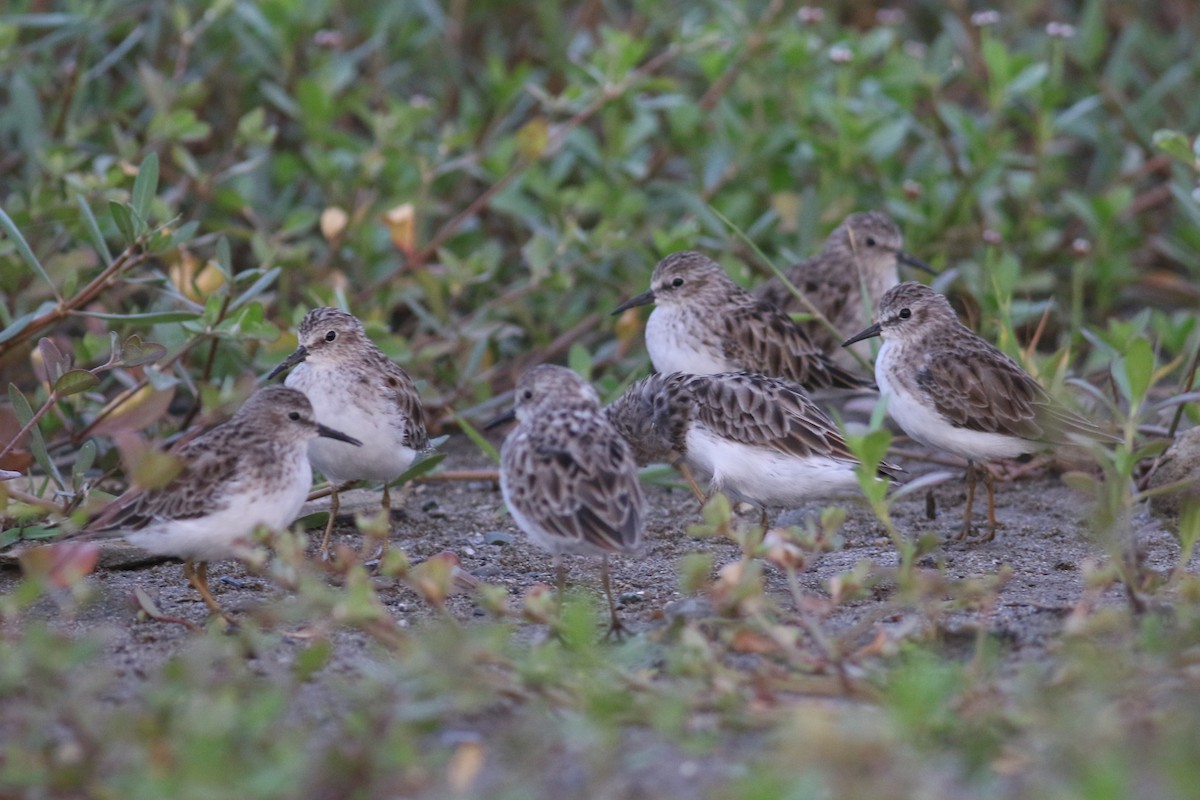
x: 14, y: 233
x: 145, y: 186
x: 37, y: 442
x: 93, y: 227
x: 478, y: 438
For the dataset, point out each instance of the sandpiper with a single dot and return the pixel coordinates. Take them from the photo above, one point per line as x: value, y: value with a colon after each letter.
x: 758, y: 439
x: 353, y: 385
x: 948, y: 388
x: 568, y: 477
x: 703, y: 323
x: 250, y: 471
x: 845, y: 281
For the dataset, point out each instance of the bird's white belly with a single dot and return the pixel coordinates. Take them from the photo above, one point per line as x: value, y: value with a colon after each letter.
x: 673, y: 347
x: 381, y: 457
x: 923, y: 423
x: 763, y: 476
x: 213, y: 537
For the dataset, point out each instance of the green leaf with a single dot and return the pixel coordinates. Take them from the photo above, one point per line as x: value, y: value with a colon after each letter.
x: 478, y: 438
x: 14, y: 233
x: 9, y: 536
x: 256, y: 288
x: 135, y: 352
x: 74, y: 382
x: 1028, y: 78
x: 34, y: 532
x: 423, y: 465
x: 85, y: 456
x: 98, y: 242
x: 249, y: 323
x: 184, y: 233
x: 580, y: 361
x: 1135, y: 371
x: 52, y: 358
x: 1176, y: 145
x: 224, y: 259
x: 19, y: 324
x: 149, y: 317
x: 37, y: 442
x: 122, y: 219
x: 695, y: 572
x: 144, y: 187
x: 312, y: 659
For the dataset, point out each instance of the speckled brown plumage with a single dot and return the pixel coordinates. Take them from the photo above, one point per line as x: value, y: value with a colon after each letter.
x: 969, y: 382
x: 353, y: 385
x: 862, y: 253
x: 950, y: 389
x: 252, y: 470
x: 760, y: 438
x: 567, y: 475
x: 705, y: 323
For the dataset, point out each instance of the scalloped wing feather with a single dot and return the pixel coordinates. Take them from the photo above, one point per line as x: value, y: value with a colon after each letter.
x: 758, y: 338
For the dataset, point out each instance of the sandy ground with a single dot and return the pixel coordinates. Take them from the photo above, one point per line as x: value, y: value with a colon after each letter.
x: 1043, y: 541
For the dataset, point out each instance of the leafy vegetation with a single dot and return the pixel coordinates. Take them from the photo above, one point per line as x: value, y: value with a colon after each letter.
x: 481, y: 183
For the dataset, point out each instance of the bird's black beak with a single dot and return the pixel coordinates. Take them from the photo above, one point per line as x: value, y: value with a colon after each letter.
x: 643, y: 299
x: 496, y: 422
x: 289, y: 362
x: 330, y: 433
x: 866, y: 334
x: 913, y: 261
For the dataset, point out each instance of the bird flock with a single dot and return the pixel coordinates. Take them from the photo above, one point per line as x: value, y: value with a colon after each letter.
x: 735, y: 402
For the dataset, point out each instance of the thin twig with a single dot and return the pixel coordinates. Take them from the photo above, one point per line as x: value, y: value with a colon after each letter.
x: 33, y: 421
x: 130, y: 257
x: 27, y: 498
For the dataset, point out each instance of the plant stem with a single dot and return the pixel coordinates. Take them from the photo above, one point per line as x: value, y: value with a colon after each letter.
x: 28, y: 426
x: 130, y: 257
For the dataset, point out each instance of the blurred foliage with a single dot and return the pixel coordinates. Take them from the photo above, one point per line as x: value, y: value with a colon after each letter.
x: 483, y: 177
x: 482, y: 182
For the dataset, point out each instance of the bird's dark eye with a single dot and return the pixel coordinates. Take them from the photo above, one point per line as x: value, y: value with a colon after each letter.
x: 677, y: 282
x: 527, y: 394
x: 329, y: 337
x: 870, y: 241
x: 905, y: 313
x: 294, y: 415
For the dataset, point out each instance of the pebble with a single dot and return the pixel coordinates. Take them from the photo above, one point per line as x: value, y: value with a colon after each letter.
x: 497, y: 538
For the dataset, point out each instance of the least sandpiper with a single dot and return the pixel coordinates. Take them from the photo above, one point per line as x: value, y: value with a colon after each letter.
x: 703, y: 322
x: 1175, y: 479
x: 250, y: 471
x: 948, y: 388
x: 757, y: 439
x: 844, y: 282
x: 352, y: 384
x: 568, y: 477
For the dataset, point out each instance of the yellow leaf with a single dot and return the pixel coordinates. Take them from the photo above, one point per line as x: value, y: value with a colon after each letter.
x: 194, y: 279
x: 464, y: 766
x: 786, y: 206
x: 533, y: 138
x: 401, y: 224
x: 333, y: 222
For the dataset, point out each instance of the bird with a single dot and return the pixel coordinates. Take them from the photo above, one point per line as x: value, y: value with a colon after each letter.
x: 950, y: 389
x: 568, y: 477
x: 703, y: 322
x: 758, y: 439
x: 844, y: 282
x: 350, y: 382
x: 1176, y: 478
x: 251, y: 471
